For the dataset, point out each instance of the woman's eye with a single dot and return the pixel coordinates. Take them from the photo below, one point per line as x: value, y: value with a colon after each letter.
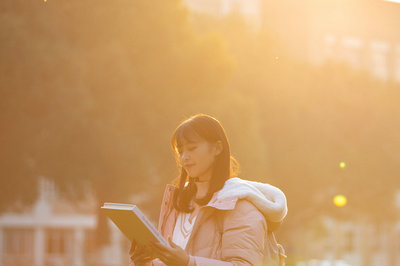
x: 189, y: 149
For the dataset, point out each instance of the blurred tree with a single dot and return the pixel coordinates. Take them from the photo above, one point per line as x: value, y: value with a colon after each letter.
x: 313, y: 117
x: 93, y: 92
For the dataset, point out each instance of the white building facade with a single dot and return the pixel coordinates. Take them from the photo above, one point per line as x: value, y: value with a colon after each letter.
x: 45, y: 236
x: 362, y: 33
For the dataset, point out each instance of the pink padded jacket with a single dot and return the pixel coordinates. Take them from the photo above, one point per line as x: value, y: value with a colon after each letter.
x: 231, y: 229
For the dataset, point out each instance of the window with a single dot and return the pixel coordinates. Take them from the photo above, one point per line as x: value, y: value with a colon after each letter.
x: 397, y: 78
x: 397, y: 241
x: 379, y: 63
x: 349, y: 241
x: 330, y: 43
x: 59, y: 241
x: 90, y: 238
x: 351, y: 51
x: 18, y: 241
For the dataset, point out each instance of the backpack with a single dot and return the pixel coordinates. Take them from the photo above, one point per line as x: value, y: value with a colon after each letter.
x: 274, y: 253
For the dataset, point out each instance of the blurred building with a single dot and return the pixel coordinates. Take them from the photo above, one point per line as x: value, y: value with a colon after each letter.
x: 249, y: 9
x: 361, y: 33
x: 355, y: 242
x: 56, y: 232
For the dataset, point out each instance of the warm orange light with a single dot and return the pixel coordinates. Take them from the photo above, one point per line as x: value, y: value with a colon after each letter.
x: 340, y: 200
x: 394, y: 1
x: 342, y: 165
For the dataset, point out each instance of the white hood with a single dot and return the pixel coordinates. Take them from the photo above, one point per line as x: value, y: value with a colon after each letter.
x: 270, y: 200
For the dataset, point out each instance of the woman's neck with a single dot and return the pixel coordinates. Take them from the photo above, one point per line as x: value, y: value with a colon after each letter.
x: 202, y: 188
x: 202, y: 184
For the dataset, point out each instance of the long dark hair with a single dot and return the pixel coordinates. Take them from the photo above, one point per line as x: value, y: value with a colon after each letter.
x: 225, y: 165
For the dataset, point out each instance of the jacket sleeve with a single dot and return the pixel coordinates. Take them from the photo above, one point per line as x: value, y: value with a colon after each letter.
x: 242, y: 240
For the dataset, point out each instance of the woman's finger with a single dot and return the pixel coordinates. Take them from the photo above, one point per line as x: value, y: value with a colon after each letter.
x: 133, y: 247
x: 139, y: 256
x: 162, y: 254
x: 173, y: 245
x: 156, y: 252
x: 136, y: 253
x: 142, y: 259
x: 159, y: 246
x: 165, y: 258
x: 141, y: 253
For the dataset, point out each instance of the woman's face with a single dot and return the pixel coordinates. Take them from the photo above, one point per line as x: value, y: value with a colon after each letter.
x: 197, y: 158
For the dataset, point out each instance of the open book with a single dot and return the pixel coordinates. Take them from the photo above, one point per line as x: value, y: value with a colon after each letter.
x: 133, y: 223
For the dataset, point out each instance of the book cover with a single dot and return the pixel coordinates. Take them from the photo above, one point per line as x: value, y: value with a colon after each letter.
x: 133, y: 223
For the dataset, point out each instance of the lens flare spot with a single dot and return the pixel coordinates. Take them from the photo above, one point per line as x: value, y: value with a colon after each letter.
x: 340, y: 200
x: 342, y: 165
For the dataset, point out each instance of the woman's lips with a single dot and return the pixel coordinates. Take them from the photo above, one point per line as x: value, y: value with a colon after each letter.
x: 188, y: 165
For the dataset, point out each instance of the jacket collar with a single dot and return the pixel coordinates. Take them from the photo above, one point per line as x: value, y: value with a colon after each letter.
x: 224, y: 203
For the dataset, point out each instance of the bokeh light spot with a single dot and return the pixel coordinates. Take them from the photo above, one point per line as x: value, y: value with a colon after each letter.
x: 340, y: 200
x: 342, y: 165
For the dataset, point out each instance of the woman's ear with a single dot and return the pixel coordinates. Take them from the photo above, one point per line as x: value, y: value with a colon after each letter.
x: 218, y: 147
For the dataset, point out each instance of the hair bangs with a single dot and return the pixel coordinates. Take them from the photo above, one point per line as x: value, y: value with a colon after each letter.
x: 185, y: 133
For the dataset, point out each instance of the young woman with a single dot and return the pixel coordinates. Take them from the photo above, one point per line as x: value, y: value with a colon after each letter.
x: 210, y: 217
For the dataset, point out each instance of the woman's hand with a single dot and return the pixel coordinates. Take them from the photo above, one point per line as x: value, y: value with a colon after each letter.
x: 173, y: 255
x: 139, y: 255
